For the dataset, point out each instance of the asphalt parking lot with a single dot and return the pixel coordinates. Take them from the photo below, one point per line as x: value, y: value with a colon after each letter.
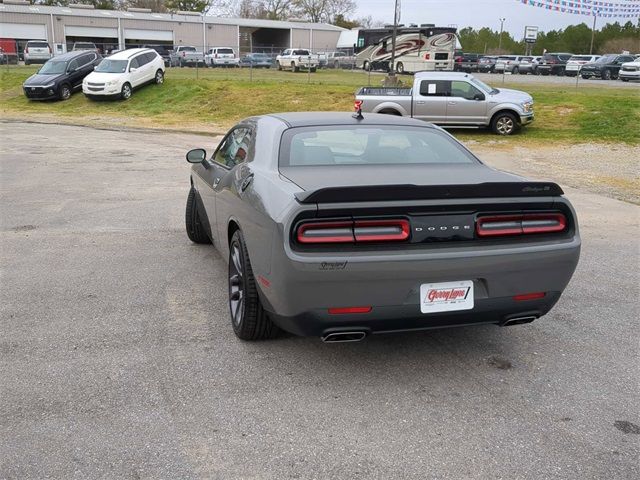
x: 495, y: 78
x: 117, y: 359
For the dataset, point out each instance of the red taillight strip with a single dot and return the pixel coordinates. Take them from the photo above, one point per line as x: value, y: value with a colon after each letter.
x: 386, y: 230
x: 326, y: 232
x: 346, y: 310
x: 397, y: 234
x: 502, y: 225
x: 529, y: 296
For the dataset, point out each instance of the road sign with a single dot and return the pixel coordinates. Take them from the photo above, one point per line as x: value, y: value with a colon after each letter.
x: 530, y: 34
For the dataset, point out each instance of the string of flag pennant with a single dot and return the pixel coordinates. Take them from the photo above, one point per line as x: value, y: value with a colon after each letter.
x: 619, y: 9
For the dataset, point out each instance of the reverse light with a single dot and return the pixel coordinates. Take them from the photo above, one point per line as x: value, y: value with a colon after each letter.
x: 381, y: 230
x: 326, y: 232
x: 523, y: 224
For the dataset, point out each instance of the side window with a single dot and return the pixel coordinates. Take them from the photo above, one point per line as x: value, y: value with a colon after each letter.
x: 85, y: 60
x: 135, y: 63
x: 150, y: 56
x: 435, y: 88
x: 463, y: 90
x: 73, y: 64
x: 142, y: 59
x: 235, y: 149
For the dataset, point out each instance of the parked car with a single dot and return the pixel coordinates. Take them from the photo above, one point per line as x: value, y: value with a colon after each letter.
x: 221, y: 57
x: 606, y: 67
x: 431, y: 236
x: 575, y: 63
x: 36, y: 51
x: 256, y: 60
x: 340, y: 60
x: 186, y: 56
x: 164, y: 52
x: 3, y: 58
x: 487, y: 64
x: 466, y: 62
x: 507, y: 64
x: 529, y: 65
x: 452, y: 99
x: 85, y: 46
x: 297, y: 59
x: 118, y: 75
x: 553, y: 63
x: 322, y: 59
x: 60, y: 76
x: 630, y: 70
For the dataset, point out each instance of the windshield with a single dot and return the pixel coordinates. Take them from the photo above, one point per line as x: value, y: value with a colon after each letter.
x: 112, y: 66
x: 188, y: 49
x: 606, y: 59
x: 380, y: 145
x: 483, y: 86
x: 53, y: 68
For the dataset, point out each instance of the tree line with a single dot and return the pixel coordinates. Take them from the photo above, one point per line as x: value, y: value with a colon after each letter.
x: 611, y: 38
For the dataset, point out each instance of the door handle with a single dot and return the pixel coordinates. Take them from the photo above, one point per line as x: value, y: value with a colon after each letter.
x: 453, y: 103
x: 420, y: 102
x: 246, y: 182
x: 216, y: 181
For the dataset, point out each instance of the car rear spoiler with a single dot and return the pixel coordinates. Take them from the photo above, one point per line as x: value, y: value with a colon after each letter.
x: 372, y: 193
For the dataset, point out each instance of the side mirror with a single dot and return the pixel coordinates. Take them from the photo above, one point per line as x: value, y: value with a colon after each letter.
x: 479, y: 96
x: 197, y: 155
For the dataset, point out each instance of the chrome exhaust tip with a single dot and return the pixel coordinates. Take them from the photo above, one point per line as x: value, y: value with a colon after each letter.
x: 343, y: 337
x: 518, y: 320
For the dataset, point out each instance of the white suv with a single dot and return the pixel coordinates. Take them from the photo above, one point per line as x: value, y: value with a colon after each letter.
x: 221, y: 57
x: 119, y: 74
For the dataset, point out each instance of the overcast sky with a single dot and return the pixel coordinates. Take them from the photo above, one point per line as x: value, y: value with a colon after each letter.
x: 474, y: 13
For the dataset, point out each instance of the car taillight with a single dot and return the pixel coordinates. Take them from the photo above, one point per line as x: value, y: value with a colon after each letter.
x: 381, y: 230
x: 26, y: 49
x: 358, y: 231
x: 427, y: 56
x: 505, y: 225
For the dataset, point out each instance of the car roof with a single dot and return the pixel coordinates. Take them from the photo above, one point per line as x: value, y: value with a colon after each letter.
x: 70, y: 55
x: 307, y: 119
x: 442, y: 74
x: 128, y: 53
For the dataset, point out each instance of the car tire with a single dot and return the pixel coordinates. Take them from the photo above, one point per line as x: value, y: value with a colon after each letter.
x: 279, y: 66
x: 515, y: 71
x: 159, y: 78
x: 400, y: 68
x: 585, y: 77
x: 336, y: 65
x: 606, y: 75
x: 504, y: 123
x: 125, y: 91
x: 561, y: 72
x: 65, y: 92
x: 195, y: 229
x: 624, y: 79
x: 366, y: 66
x: 313, y: 70
x: 294, y: 68
x: 248, y: 318
x: 26, y: 62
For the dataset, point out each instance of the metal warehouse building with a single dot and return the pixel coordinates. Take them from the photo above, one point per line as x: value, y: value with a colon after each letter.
x: 114, y: 29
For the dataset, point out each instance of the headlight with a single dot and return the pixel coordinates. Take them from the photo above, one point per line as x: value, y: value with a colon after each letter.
x: 527, y: 106
x: 48, y: 86
x: 111, y: 83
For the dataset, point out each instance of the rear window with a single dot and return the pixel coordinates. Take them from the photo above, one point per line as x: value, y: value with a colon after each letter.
x: 441, y: 56
x: 188, y: 49
x: 301, y: 52
x: 369, y: 145
x: 581, y: 58
x: 38, y: 44
x: 225, y: 50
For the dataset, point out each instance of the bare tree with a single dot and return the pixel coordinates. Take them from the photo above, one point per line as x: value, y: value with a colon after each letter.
x: 324, y: 10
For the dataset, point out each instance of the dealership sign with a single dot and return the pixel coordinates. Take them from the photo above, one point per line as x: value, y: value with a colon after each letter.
x: 530, y: 34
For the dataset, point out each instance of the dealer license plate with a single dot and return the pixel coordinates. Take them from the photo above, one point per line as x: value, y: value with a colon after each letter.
x: 446, y: 296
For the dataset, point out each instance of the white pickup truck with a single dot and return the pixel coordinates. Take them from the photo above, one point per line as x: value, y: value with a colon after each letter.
x: 297, y: 59
x: 452, y: 99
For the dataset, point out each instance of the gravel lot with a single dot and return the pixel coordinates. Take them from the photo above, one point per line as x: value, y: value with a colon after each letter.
x: 117, y: 359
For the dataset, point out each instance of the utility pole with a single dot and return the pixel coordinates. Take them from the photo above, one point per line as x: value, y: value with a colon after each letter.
x: 500, y: 39
x: 593, y: 32
x: 392, y: 71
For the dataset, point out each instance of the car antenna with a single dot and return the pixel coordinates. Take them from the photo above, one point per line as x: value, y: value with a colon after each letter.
x: 358, y: 106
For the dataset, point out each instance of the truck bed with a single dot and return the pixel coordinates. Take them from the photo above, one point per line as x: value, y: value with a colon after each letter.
x: 386, y: 91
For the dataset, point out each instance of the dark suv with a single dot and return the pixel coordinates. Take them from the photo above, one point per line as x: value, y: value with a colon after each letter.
x: 61, y: 75
x: 553, y: 63
x: 606, y: 67
x: 466, y: 62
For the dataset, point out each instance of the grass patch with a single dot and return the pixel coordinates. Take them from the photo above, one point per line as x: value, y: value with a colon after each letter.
x: 214, y: 99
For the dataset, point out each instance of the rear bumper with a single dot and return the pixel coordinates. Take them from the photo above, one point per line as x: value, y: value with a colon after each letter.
x: 299, y: 290
x: 318, y: 323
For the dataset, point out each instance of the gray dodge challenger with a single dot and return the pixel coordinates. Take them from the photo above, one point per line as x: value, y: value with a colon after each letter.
x: 340, y: 226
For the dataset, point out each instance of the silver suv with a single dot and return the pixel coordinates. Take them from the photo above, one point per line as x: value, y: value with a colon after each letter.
x: 508, y: 63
